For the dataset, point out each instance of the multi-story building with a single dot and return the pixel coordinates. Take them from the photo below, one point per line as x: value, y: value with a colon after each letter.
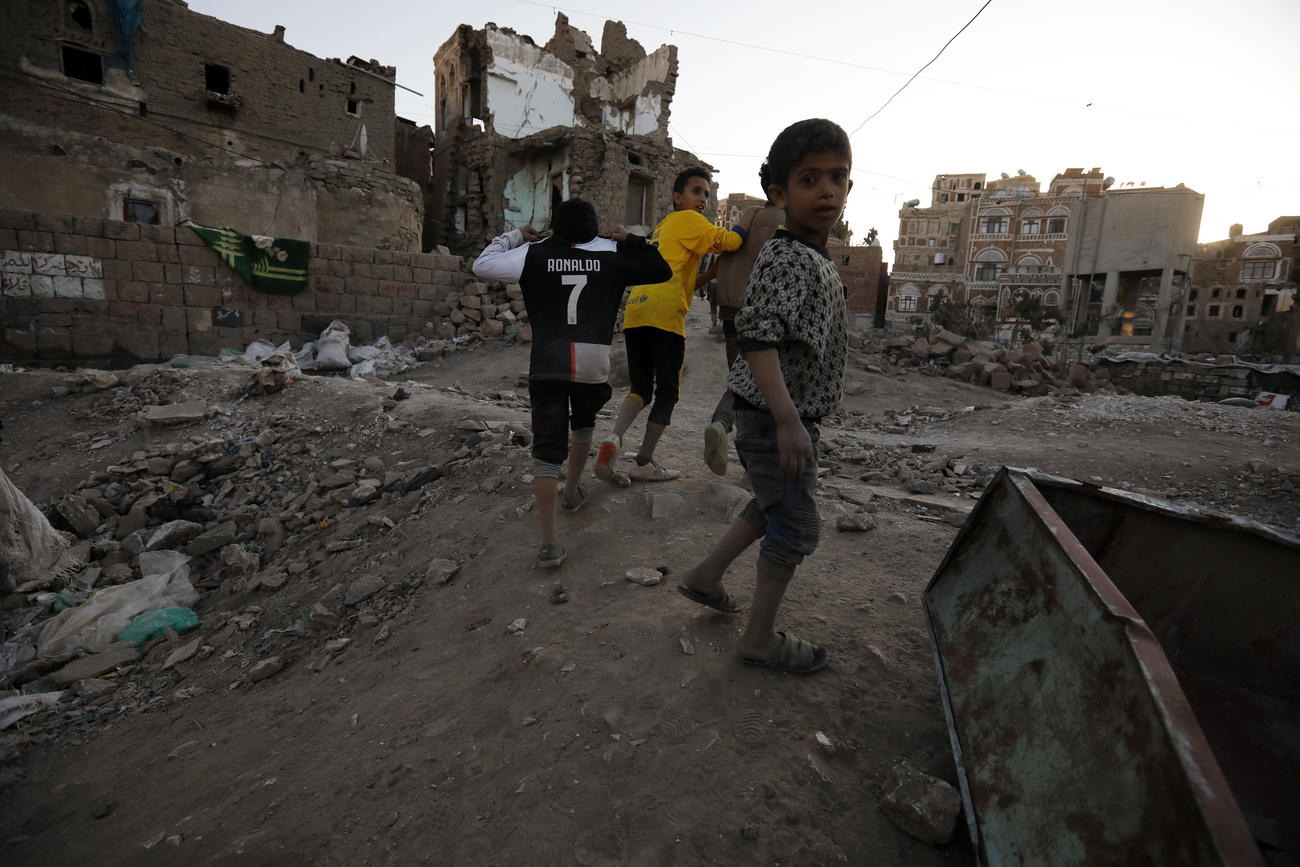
x: 730, y: 208
x: 167, y: 114
x: 1237, y: 284
x: 521, y: 127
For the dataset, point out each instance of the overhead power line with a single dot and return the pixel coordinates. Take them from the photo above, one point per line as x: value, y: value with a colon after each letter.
x: 923, y: 68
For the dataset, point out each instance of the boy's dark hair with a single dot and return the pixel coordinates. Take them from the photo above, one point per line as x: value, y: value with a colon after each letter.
x: 575, y: 221
x: 804, y: 137
x: 692, y: 172
x: 765, y: 180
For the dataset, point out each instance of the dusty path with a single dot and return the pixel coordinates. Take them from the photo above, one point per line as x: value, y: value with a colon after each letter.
x: 591, y: 737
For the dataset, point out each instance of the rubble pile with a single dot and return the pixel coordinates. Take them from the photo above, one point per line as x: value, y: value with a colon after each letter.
x: 272, y: 529
x: 1029, y: 370
x: 484, y: 310
x: 918, y: 467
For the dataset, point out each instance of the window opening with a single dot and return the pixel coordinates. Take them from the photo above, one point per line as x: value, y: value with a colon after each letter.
x: 302, y: 86
x: 80, y: 15
x: 1238, y: 311
x: 216, y: 78
x: 140, y: 211
x: 638, y: 196
x: 353, y: 108
x: 82, y: 65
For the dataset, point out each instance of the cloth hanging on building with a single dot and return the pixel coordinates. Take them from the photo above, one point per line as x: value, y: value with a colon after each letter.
x: 277, y: 266
x: 126, y: 21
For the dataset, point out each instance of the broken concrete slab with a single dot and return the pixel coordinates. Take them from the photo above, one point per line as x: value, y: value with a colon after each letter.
x: 173, y: 414
x: 924, y: 806
x: 96, y: 664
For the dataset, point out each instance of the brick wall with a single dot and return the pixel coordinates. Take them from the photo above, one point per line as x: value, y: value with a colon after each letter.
x: 81, y: 288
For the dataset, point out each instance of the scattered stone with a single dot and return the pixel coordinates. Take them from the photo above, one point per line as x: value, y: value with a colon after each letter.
x: 362, y: 589
x: 120, y: 653
x: 687, y: 647
x: 90, y: 688
x: 857, y: 522
x: 334, y: 645
x: 898, y: 596
x: 173, y: 415
x: 420, y: 477
x: 517, y: 626
x: 266, y: 668
x: 920, y: 486
x: 441, y: 571
x: 383, y: 634
x: 213, y: 538
x: 182, y: 654
x: 172, y: 535
x: 559, y: 594
x: 184, y: 750
x: 825, y: 742
x: 666, y: 506
x: 644, y: 577
x: 749, y: 831
x: 924, y: 806
x: 80, y: 515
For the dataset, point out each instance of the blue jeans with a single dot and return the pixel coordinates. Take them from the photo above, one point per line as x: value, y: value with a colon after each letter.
x: 783, y: 508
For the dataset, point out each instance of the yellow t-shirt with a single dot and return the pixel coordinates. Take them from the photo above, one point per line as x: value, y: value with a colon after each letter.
x: 682, y: 237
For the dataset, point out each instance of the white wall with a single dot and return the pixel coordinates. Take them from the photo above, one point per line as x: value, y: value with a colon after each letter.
x: 528, y: 89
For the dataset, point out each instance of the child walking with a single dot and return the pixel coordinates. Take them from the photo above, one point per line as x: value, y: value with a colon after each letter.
x: 792, y: 333
x: 573, y: 285
x: 654, y: 326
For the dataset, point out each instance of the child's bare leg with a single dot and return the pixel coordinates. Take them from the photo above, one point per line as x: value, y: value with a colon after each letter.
x: 545, y: 495
x: 627, y: 413
x: 706, y: 576
x: 759, y: 638
x: 578, y: 453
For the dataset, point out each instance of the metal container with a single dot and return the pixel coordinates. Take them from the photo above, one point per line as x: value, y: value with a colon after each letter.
x: 1121, y: 678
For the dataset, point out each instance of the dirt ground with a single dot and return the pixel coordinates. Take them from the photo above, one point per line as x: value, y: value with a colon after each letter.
x: 438, y: 735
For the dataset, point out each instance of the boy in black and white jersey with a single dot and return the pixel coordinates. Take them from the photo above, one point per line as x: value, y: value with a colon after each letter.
x: 573, y: 286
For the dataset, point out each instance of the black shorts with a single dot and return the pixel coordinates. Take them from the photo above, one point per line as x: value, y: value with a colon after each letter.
x: 559, y: 405
x: 654, y: 365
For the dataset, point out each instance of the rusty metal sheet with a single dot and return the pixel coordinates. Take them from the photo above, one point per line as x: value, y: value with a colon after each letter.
x: 1075, y: 741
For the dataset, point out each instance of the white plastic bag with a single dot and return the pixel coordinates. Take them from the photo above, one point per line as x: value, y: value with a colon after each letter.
x: 30, y: 549
x: 92, y: 625
x: 15, y: 707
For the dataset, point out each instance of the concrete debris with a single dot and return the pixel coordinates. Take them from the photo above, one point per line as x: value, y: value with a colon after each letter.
x: 173, y: 415
x: 644, y: 577
x: 441, y: 571
x: 266, y: 668
x: 923, y: 806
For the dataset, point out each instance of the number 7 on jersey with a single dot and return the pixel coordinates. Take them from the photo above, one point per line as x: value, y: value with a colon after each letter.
x: 578, y: 282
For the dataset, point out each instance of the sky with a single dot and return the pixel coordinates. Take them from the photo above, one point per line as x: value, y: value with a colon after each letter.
x: 1156, y: 92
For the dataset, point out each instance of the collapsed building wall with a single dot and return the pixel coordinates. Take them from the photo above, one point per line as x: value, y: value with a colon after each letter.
x: 521, y: 127
x: 190, y: 116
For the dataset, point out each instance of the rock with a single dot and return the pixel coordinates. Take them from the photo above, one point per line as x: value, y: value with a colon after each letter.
x: 83, y: 517
x: 182, y: 653
x: 920, y: 486
x: 923, y: 806
x: 517, y: 626
x: 213, y: 538
x: 184, y: 750
x: 420, y: 477
x: 362, y: 589
x: 644, y: 577
x: 173, y: 415
x: 322, y: 617
x: 118, y: 573
x: 862, y: 497
x: 1078, y: 374
x: 687, y: 647
x: 441, y: 571
x: 856, y: 523
x: 1000, y: 380
x: 90, y: 688
x: 172, y: 535
x: 373, y: 464
x: 559, y: 594
x: 825, y: 742
x: 336, y: 480
x: 118, y: 653
x: 266, y: 668
x: 666, y: 506
x: 364, y: 495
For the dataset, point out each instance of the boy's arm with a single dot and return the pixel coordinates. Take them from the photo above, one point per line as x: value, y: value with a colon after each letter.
x: 641, y: 262
x: 702, y: 237
x: 793, y: 442
x: 503, y: 258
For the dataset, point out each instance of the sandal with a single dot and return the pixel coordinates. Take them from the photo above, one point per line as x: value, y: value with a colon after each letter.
x: 793, y: 655
x: 579, y: 499
x: 550, y: 556
x: 720, y: 601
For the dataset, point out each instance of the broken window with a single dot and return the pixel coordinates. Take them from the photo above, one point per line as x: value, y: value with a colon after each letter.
x: 216, y: 78
x: 1214, y: 293
x: 1238, y: 311
x: 140, y: 211
x: 639, y: 196
x: 79, y: 14
x: 354, y: 108
x: 302, y: 86
x: 82, y: 65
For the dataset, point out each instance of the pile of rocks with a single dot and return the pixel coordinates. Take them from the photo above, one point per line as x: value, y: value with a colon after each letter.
x: 484, y: 310
x: 1028, y: 370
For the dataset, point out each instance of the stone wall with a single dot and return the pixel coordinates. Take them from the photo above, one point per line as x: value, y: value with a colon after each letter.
x: 85, y: 289
x: 1198, y: 381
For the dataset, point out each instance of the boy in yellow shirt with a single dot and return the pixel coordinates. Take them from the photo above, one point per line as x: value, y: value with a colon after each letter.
x: 654, y: 325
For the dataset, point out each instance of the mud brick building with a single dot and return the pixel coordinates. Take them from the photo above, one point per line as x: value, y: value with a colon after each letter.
x: 522, y: 126
x: 864, y: 275
x: 180, y: 115
x: 730, y: 208
x: 1237, y: 285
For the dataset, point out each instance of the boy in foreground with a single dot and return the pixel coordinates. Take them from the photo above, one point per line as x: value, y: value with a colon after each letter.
x: 573, y: 285
x: 654, y: 326
x: 760, y: 224
x: 792, y: 333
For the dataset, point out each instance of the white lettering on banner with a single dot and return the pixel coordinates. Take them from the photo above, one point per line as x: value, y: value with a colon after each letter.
x: 553, y: 265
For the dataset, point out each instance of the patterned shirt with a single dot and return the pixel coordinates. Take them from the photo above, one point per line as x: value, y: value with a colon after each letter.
x: 794, y: 304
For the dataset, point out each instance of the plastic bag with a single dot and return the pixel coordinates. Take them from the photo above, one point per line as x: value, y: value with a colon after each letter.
x: 333, y: 347
x: 15, y: 707
x: 306, y: 357
x: 148, y: 626
x: 91, y: 626
x: 259, y: 349
x: 30, y: 548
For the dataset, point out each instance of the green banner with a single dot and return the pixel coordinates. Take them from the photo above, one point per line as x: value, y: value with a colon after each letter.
x: 277, y: 266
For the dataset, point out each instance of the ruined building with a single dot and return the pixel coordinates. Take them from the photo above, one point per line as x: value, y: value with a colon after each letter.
x: 173, y: 115
x: 731, y: 207
x: 520, y: 127
x: 1238, y: 285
